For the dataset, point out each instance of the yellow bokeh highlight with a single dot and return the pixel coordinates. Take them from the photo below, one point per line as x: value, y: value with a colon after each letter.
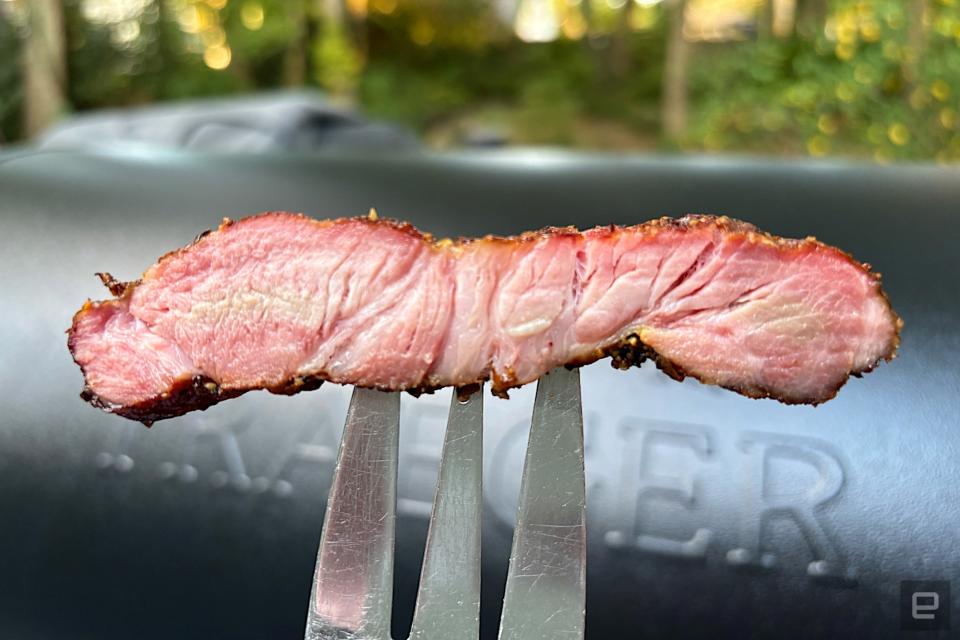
x: 422, y: 32
x: 940, y: 90
x: 818, y: 146
x: 827, y: 124
x: 206, y: 17
x: 948, y: 118
x: 357, y: 8
x: 251, y: 15
x: 217, y: 57
x: 898, y: 134
x: 385, y: 7
x: 643, y: 18
x: 574, y: 26
x: 944, y: 25
x: 845, y: 92
x: 845, y: 50
x: 217, y: 4
x: 214, y: 36
x: 870, y: 31
x: 847, y: 33
x: 189, y: 20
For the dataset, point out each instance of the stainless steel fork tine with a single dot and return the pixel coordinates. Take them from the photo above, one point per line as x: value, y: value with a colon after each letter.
x: 353, y: 584
x: 545, y: 590
x: 448, y: 601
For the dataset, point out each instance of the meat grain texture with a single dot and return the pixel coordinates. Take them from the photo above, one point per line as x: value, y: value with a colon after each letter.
x: 283, y: 302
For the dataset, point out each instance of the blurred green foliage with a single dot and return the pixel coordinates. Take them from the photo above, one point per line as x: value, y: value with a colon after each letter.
x: 866, y: 78
x: 539, y: 92
x: 858, y: 87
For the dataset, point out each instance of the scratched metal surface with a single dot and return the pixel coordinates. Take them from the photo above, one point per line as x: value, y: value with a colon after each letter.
x: 708, y: 514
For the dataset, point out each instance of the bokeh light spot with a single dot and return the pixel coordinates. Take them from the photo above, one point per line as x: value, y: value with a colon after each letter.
x: 214, y: 36
x: 818, y: 146
x: 385, y: 7
x: 948, y: 118
x: 940, y: 90
x: 827, y: 124
x: 357, y: 8
x: 574, y: 26
x: 898, y: 134
x: 845, y: 92
x: 845, y: 50
x: 536, y: 21
x: 217, y: 57
x: 422, y: 32
x: 251, y: 15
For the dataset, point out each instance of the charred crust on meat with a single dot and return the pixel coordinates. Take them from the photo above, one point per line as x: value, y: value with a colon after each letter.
x: 503, y: 381
x: 117, y: 288
x: 465, y: 391
x: 297, y: 384
x: 188, y: 394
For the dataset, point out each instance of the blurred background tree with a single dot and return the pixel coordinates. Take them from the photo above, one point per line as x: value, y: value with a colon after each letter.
x: 864, y: 78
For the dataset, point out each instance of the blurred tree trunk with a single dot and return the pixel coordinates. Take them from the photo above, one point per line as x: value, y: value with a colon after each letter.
x: 673, y: 109
x: 792, y: 18
x: 592, y: 41
x: 332, y: 10
x: 620, y: 54
x: 295, y: 57
x: 764, y: 19
x: 44, y: 66
x: 783, y: 18
x: 916, y: 40
x: 335, y: 55
x: 811, y: 16
x: 359, y: 33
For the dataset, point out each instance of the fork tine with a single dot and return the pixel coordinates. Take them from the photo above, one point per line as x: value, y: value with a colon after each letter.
x: 448, y: 601
x: 353, y: 584
x: 545, y: 590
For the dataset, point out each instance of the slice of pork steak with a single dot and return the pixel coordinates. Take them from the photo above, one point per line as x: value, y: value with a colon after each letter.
x: 283, y: 302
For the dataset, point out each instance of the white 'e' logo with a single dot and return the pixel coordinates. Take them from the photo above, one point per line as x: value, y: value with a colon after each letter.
x: 934, y: 603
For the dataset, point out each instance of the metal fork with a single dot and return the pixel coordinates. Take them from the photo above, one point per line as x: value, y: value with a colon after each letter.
x: 544, y: 598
